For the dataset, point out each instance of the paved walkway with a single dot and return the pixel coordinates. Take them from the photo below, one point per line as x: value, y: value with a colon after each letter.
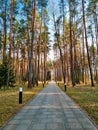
x: 51, y: 109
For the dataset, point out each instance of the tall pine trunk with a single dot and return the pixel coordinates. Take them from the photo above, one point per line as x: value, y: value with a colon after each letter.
x: 83, y: 55
x: 39, y: 52
x: 30, y: 76
x: 96, y: 23
x: 45, y: 51
x: 11, y: 27
x: 84, y: 24
x: 71, y: 47
x: 5, y: 32
x: 64, y: 59
x: 11, y: 39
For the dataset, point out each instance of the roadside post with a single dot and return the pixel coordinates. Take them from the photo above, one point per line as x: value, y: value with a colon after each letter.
x: 43, y: 84
x: 65, y: 87
x: 20, y: 95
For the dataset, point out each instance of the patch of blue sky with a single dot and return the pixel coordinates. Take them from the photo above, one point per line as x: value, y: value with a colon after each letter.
x: 20, y: 14
x: 53, y: 7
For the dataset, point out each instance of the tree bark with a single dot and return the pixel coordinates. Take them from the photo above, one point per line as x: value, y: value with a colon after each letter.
x: 31, y: 47
x: 71, y: 46
x: 84, y: 24
x: 5, y: 33
x: 45, y: 51
x: 11, y: 39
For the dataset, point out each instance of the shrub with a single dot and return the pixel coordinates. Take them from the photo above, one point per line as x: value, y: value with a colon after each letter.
x: 4, y: 68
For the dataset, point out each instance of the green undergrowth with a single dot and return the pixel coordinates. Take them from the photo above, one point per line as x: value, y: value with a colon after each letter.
x: 9, y: 100
x: 87, y: 98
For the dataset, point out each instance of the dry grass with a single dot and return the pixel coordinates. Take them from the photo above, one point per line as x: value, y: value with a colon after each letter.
x: 9, y: 100
x: 87, y: 97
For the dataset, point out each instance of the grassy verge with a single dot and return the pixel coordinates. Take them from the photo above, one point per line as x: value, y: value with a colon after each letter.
x: 9, y: 100
x: 87, y: 97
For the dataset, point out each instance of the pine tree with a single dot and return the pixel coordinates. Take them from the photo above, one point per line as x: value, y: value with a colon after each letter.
x: 4, y: 73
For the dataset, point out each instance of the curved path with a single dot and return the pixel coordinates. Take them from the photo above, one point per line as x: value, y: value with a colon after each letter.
x: 51, y: 109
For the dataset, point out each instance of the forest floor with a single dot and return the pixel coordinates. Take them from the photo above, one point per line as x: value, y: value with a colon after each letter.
x: 9, y: 100
x: 87, y: 98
